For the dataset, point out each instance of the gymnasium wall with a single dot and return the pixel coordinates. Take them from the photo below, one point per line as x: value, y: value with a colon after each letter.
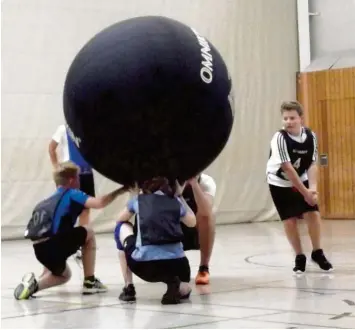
x: 331, y: 26
x: 257, y: 38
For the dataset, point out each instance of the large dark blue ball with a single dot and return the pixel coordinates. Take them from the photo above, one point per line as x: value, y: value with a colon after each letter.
x: 148, y: 96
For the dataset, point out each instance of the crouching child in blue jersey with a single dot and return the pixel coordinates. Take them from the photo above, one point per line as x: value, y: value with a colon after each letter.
x: 155, y: 253
x: 55, y: 238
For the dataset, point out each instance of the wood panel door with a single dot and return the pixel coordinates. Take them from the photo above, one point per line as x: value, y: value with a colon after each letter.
x: 329, y: 101
x: 338, y: 147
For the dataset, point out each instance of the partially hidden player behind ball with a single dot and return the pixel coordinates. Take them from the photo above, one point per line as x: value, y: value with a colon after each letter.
x: 155, y: 252
x: 55, y: 239
x: 199, y: 194
x: 292, y: 178
x: 61, y: 149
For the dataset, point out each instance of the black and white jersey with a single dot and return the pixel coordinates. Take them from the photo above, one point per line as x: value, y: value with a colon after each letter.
x: 208, y: 186
x: 301, y: 151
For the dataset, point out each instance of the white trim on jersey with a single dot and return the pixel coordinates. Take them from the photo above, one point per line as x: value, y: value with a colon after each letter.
x: 282, y: 152
x: 315, y: 143
x: 279, y: 155
x: 208, y: 185
x: 60, y: 136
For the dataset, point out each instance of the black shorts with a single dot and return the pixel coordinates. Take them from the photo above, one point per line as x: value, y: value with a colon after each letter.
x: 53, y: 253
x: 289, y: 202
x: 156, y: 270
x: 190, y: 241
x: 87, y: 184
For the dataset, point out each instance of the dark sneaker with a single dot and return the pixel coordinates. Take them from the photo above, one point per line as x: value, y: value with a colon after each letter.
x: 93, y: 286
x: 27, y: 287
x: 319, y: 258
x: 300, y: 264
x: 172, y: 294
x: 128, y: 293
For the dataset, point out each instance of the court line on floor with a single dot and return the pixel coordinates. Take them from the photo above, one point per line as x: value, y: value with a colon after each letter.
x: 83, y: 305
x: 249, y: 261
x: 299, y: 324
x: 90, y: 305
x: 349, y: 302
x: 230, y: 289
x: 259, y: 321
x: 217, y: 321
x: 303, y: 289
x: 340, y: 316
x: 275, y: 309
x: 55, y: 311
x: 116, y: 304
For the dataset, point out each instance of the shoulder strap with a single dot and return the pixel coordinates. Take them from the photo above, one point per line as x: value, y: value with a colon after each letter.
x: 60, y: 199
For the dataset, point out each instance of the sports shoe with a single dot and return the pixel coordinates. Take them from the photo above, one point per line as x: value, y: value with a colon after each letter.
x: 319, y: 258
x: 91, y: 286
x: 128, y: 293
x: 300, y: 264
x: 27, y: 287
x: 203, y: 276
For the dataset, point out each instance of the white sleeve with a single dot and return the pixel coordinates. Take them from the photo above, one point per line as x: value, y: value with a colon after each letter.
x: 315, y: 143
x: 279, y: 151
x: 59, y: 133
x: 208, y: 185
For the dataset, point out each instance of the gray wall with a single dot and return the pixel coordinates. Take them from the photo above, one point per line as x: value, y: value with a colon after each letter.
x: 333, y: 31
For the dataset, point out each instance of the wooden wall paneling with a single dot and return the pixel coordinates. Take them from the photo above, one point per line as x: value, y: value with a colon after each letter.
x: 329, y: 101
x: 308, y: 96
x: 318, y: 122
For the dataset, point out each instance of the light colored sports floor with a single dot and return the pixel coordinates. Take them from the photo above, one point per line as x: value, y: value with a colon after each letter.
x: 252, y: 286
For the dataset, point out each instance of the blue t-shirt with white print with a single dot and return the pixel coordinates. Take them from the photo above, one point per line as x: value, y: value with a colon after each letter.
x: 76, y: 157
x: 155, y: 252
x: 69, y: 208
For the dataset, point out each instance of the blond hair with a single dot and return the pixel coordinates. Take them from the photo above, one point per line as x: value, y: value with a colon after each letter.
x: 292, y: 105
x: 64, y: 172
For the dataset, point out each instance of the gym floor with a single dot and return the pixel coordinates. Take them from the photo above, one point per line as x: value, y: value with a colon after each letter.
x: 252, y: 286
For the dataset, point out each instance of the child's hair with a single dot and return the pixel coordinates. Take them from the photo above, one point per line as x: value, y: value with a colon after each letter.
x: 292, y: 105
x: 158, y: 183
x: 64, y: 172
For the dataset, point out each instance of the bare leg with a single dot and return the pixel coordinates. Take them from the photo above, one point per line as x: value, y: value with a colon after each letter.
x: 206, y: 232
x: 126, y: 272
x: 84, y: 219
x: 89, y: 254
x: 293, y: 236
x: 128, y: 293
x: 48, y: 280
x: 125, y: 231
x: 44, y: 272
x: 314, y: 228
